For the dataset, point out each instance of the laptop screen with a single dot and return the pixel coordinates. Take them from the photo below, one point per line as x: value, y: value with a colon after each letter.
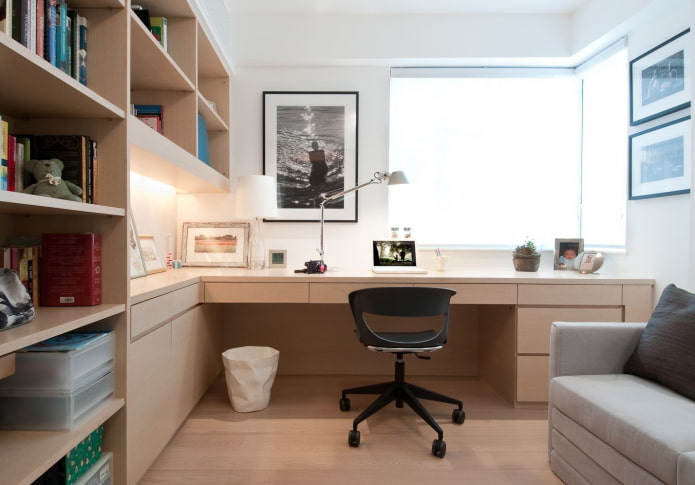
x: 394, y: 253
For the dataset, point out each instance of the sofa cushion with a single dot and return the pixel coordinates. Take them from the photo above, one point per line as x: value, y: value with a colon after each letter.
x: 665, y: 351
x: 646, y: 422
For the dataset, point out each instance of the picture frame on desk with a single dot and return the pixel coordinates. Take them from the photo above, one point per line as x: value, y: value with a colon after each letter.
x: 223, y: 244
x: 310, y: 147
x: 137, y: 264
x: 566, y: 250
x: 277, y: 258
x: 660, y: 160
x: 660, y: 79
x: 150, y: 255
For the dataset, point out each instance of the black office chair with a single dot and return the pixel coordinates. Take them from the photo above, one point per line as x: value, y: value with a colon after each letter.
x: 414, y: 303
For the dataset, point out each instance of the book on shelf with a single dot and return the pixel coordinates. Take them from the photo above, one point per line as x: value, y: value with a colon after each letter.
x: 70, y: 269
x: 6, y: 17
x: 62, y: 36
x: 4, y: 153
x: 23, y: 153
x: 203, y: 147
x: 25, y: 261
x: 158, y: 27
x: 78, y: 50
x: 40, y: 27
x: 11, y: 163
x: 75, y: 151
x: 50, y: 41
x: 150, y: 114
x: 143, y: 14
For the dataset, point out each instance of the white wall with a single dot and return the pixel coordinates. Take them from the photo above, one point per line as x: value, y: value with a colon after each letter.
x: 353, y: 53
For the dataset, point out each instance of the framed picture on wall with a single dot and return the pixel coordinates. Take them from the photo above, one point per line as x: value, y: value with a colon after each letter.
x: 660, y: 160
x: 215, y: 244
x: 660, y: 79
x: 566, y: 250
x: 310, y: 147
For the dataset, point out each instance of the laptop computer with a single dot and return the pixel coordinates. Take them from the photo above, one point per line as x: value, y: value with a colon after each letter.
x: 395, y: 257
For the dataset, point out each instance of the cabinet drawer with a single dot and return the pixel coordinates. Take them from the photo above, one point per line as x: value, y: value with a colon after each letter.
x: 484, y: 294
x: 256, y: 292
x: 337, y: 292
x: 532, y: 376
x: 149, y: 314
x: 577, y: 295
x: 533, y: 329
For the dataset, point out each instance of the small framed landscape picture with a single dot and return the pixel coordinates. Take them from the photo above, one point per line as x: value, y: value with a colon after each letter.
x: 150, y: 255
x: 277, y: 258
x: 215, y: 244
x: 137, y: 265
x: 566, y: 250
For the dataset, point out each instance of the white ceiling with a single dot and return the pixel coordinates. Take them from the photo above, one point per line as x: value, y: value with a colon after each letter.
x: 376, y: 7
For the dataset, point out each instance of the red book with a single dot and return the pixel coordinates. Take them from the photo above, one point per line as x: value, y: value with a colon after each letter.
x: 11, y: 163
x: 70, y: 269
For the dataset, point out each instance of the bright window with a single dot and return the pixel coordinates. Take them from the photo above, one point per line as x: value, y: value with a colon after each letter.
x: 495, y: 155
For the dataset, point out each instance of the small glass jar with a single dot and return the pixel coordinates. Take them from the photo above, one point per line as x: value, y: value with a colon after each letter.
x: 394, y: 232
x: 407, y: 233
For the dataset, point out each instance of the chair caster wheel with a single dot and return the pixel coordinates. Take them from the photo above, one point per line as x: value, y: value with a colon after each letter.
x: 458, y: 416
x: 344, y: 404
x: 354, y: 438
x: 439, y: 448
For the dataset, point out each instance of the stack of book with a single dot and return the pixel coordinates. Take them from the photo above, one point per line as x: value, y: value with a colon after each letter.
x: 150, y: 114
x: 77, y: 152
x: 156, y: 25
x: 51, y: 30
x: 25, y: 261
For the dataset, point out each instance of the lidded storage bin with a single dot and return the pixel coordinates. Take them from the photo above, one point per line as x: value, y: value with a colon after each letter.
x: 58, y: 382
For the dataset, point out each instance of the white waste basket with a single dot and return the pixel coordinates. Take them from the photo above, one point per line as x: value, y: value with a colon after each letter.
x: 249, y: 373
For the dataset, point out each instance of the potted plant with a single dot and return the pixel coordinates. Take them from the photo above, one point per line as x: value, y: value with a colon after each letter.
x: 526, y: 256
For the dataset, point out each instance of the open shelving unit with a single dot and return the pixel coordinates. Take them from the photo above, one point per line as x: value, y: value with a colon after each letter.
x: 126, y: 65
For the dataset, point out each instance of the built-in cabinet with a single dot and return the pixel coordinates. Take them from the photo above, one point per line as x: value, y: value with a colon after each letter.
x: 125, y: 65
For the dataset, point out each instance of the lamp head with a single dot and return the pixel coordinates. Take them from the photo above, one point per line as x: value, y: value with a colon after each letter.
x: 398, y: 178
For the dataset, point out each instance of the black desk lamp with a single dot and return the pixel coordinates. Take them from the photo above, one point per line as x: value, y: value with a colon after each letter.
x: 394, y: 178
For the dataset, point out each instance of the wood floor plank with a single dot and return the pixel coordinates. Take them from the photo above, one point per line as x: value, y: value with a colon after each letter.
x: 301, y: 438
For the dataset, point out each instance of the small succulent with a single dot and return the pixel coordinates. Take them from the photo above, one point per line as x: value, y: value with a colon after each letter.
x: 528, y: 248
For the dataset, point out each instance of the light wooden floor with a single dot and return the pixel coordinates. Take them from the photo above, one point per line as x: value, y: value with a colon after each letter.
x: 301, y: 438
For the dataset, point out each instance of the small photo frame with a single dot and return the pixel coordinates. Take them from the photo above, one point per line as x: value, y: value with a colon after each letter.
x: 566, y: 250
x: 150, y: 255
x: 660, y: 79
x: 137, y: 265
x: 277, y: 258
x: 215, y: 244
x: 660, y: 160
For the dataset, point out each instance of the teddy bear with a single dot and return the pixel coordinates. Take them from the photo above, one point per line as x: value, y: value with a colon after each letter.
x: 49, y: 182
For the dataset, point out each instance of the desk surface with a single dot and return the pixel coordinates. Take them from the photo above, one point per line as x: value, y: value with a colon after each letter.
x: 161, y: 283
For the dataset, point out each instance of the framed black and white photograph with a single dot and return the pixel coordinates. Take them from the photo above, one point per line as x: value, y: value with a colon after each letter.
x: 660, y: 160
x: 137, y: 264
x: 215, y: 244
x: 660, y: 79
x: 277, y: 258
x: 153, y: 261
x: 566, y: 251
x: 310, y: 146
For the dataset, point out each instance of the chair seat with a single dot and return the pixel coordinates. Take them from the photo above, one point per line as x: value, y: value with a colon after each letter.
x: 408, y: 339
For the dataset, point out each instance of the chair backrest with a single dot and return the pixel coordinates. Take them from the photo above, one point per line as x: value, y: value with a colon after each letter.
x: 400, y: 301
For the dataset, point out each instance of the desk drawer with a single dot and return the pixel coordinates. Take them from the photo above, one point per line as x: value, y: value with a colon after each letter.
x: 149, y: 314
x: 256, y: 292
x: 338, y: 292
x: 483, y: 294
x: 533, y: 334
x: 575, y: 295
x: 532, y: 378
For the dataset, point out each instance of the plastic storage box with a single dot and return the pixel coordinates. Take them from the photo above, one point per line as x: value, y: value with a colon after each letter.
x: 66, y: 362
x: 99, y: 473
x: 44, y: 409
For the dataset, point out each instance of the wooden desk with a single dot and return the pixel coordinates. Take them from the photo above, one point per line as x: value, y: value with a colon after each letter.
x: 181, y: 320
x: 511, y: 314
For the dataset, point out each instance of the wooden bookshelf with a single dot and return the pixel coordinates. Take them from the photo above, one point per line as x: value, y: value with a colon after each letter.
x: 126, y: 65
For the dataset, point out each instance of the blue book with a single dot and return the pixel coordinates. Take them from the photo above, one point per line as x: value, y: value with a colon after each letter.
x: 203, y: 148
x: 66, y: 342
x: 62, y: 36
x: 51, y: 16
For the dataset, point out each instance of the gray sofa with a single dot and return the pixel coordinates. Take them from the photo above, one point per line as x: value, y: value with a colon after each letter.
x: 608, y: 427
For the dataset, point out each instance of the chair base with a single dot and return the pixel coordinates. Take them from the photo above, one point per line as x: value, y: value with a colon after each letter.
x: 402, y: 392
